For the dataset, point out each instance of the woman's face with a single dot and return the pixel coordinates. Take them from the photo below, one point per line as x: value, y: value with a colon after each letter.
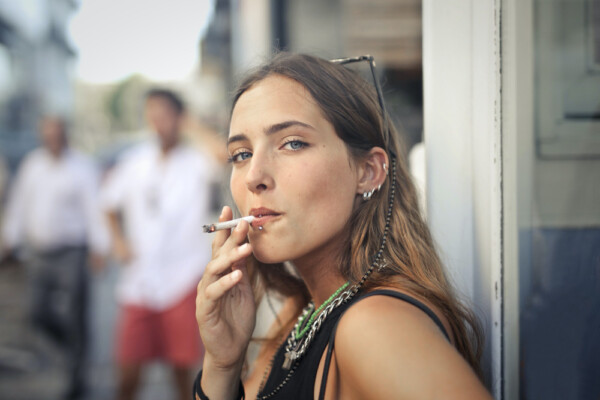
x: 291, y: 171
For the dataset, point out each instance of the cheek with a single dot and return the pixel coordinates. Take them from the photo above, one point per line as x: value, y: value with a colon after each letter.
x: 327, y: 193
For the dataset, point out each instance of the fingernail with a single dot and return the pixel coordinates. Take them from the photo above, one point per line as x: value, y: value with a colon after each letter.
x: 223, y: 211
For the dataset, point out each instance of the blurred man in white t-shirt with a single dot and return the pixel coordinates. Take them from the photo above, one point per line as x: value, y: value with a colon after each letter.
x: 53, y: 212
x: 156, y: 199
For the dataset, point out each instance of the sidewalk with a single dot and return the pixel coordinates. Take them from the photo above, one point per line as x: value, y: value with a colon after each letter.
x: 32, y: 368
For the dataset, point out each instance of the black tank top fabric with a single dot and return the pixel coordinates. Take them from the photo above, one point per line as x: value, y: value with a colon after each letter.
x: 301, y: 384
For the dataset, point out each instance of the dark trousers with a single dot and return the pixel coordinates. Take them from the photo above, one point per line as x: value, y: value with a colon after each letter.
x: 59, y: 305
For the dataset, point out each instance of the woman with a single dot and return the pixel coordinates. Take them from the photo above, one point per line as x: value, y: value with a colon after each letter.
x: 317, y: 164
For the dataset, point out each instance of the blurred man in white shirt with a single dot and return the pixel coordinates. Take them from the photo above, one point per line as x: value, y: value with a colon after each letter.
x: 157, y: 198
x: 52, y: 211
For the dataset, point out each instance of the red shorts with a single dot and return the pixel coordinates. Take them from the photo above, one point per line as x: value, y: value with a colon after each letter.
x: 171, y: 335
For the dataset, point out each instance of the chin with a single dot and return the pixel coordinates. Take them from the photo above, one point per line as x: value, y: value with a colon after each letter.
x: 267, y: 254
x: 267, y: 258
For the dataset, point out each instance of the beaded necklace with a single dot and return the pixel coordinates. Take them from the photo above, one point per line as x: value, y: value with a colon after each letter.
x: 297, y: 342
x: 332, y: 302
x: 311, y: 306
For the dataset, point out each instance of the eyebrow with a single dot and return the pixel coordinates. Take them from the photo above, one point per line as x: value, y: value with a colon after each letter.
x: 271, y: 130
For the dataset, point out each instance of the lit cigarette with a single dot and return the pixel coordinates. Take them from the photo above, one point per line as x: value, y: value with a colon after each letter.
x: 227, y: 224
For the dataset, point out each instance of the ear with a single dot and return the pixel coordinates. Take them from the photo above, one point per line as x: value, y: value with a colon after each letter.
x: 372, y: 170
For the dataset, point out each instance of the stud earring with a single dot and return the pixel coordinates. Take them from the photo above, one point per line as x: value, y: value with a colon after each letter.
x: 367, y: 195
x: 385, y: 168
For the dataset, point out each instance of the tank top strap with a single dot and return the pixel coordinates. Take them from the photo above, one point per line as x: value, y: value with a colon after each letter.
x: 411, y: 300
x: 380, y: 292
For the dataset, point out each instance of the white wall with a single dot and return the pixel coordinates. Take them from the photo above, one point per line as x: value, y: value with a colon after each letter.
x: 461, y: 72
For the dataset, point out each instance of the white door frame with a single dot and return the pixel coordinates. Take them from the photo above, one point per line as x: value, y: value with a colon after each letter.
x: 518, y: 143
x: 463, y: 139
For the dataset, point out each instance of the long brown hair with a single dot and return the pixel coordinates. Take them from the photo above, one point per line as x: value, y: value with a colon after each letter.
x: 350, y: 104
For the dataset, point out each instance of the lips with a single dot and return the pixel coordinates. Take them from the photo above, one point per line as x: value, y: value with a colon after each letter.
x: 262, y: 216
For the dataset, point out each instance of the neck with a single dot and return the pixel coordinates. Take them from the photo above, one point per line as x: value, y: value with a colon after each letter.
x: 56, y: 153
x: 166, y: 148
x: 321, y: 276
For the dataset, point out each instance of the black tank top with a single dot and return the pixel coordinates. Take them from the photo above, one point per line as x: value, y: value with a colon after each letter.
x: 301, y: 383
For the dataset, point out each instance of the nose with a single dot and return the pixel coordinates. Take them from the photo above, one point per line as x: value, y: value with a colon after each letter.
x: 259, y: 177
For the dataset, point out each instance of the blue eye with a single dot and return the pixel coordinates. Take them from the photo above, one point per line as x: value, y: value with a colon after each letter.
x: 295, y: 145
x: 241, y: 156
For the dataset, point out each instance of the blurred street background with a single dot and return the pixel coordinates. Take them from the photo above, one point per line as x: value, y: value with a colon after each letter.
x: 33, y: 367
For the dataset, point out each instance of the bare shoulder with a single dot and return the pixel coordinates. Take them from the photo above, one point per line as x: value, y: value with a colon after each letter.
x: 392, y: 312
x: 388, y: 348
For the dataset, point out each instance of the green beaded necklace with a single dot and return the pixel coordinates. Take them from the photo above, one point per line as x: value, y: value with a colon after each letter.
x: 302, y: 328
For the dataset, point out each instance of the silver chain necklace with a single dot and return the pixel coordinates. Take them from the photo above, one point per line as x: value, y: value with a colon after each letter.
x: 295, y: 349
